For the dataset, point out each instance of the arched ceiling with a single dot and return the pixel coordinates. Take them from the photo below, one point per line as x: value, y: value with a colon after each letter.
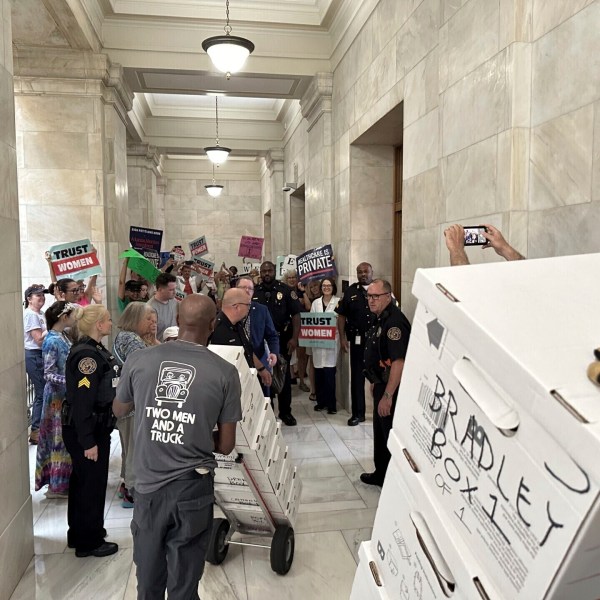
x: 158, y: 43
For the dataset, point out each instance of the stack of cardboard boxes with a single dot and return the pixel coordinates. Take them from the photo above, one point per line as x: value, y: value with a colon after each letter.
x: 260, y: 459
x: 492, y: 491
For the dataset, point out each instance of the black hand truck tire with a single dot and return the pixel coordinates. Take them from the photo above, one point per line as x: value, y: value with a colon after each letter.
x: 282, y: 549
x: 217, y: 548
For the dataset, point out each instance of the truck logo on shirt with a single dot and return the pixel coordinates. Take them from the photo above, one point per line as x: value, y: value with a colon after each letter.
x: 174, y: 381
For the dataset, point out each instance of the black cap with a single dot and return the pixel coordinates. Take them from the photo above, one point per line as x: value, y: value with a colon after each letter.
x: 35, y: 289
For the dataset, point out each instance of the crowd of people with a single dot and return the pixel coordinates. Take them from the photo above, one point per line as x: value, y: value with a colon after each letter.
x: 82, y: 390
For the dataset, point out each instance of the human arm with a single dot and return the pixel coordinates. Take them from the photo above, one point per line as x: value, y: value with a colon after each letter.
x: 52, y: 372
x: 455, y: 242
x: 123, y: 402
x: 122, y: 280
x: 38, y: 336
x: 341, y: 325
x: 263, y: 372
x: 496, y: 241
x: 224, y: 437
x: 293, y: 343
x: 91, y: 291
x: 52, y: 274
x: 384, y: 408
x: 271, y: 337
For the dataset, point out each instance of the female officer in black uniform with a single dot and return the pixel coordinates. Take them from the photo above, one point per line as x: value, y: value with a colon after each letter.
x: 92, y: 375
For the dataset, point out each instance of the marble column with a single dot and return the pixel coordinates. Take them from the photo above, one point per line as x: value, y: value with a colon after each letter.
x: 143, y: 169
x: 316, y: 109
x: 71, y: 109
x: 277, y: 201
x: 16, y: 519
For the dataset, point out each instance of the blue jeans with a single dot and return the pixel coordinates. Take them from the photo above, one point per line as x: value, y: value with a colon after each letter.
x: 34, y: 366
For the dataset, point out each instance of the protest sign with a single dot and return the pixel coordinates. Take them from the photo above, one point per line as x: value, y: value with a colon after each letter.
x: 205, y: 268
x: 75, y: 260
x: 248, y: 267
x: 147, y: 242
x: 317, y: 263
x: 285, y: 264
x: 177, y: 253
x: 251, y: 247
x: 317, y: 330
x: 198, y: 247
x: 140, y: 265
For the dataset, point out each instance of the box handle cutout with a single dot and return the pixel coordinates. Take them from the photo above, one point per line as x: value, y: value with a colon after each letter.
x: 446, y: 293
x: 410, y: 460
x: 375, y: 573
x: 502, y: 415
x: 433, y: 554
x: 480, y: 588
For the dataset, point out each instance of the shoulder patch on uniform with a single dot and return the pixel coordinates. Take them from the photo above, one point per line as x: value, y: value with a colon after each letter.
x: 394, y: 333
x: 87, y: 366
x: 294, y: 295
x: 85, y: 382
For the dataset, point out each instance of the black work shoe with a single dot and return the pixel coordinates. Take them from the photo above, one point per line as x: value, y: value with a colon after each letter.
x: 289, y: 420
x: 318, y: 408
x: 371, y: 479
x: 105, y: 549
x: 353, y: 421
x: 331, y: 411
x: 72, y: 545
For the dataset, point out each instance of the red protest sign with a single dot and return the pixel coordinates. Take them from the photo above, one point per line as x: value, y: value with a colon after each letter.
x: 251, y: 247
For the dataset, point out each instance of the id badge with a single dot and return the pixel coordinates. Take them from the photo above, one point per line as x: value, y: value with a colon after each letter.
x: 357, y: 340
x: 115, y: 381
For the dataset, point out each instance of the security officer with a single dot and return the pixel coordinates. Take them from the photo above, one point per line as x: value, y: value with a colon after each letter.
x: 385, y: 350
x: 285, y: 309
x: 92, y: 375
x: 354, y: 321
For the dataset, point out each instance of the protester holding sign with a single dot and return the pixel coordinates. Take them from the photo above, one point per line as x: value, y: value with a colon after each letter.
x: 188, y: 283
x: 325, y: 359
x: 316, y: 264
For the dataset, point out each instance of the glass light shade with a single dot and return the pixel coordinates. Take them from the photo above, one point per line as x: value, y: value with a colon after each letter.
x: 214, y: 190
x: 228, y: 52
x: 217, y: 154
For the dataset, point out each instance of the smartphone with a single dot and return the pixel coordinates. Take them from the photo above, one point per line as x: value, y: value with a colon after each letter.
x: 474, y: 235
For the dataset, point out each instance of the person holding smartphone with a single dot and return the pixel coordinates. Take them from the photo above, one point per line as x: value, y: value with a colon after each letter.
x: 455, y: 242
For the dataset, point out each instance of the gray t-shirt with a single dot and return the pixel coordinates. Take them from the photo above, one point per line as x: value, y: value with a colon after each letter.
x: 166, y: 313
x: 180, y: 391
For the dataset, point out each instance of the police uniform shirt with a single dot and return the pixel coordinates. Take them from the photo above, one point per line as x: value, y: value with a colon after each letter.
x: 387, y: 339
x: 354, y: 307
x: 88, y: 365
x: 282, y: 302
x: 228, y: 334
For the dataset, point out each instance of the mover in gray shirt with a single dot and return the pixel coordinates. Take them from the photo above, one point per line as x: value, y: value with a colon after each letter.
x: 180, y: 390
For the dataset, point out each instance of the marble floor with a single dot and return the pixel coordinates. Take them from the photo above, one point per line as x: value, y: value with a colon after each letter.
x: 336, y: 514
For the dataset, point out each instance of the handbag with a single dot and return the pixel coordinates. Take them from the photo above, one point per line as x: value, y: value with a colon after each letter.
x: 278, y: 376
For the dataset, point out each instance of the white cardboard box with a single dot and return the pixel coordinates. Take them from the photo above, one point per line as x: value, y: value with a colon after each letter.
x: 513, y: 461
x: 233, y: 494
x: 365, y: 586
x: 253, y: 419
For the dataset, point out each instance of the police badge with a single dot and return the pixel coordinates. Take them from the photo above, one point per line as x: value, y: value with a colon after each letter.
x: 279, y: 295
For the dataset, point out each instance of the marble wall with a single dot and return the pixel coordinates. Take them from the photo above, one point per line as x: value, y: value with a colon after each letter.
x: 501, y: 125
x: 190, y: 212
x: 72, y: 163
x: 16, y: 520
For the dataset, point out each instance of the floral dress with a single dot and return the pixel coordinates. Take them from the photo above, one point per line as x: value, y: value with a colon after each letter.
x: 53, y: 464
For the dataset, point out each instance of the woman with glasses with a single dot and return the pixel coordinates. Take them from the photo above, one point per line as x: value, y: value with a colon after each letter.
x: 325, y: 359
x: 53, y: 463
x: 66, y: 290
x: 138, y: 325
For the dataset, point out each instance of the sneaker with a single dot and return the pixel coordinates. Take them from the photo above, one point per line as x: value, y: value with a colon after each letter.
x: 105, y: 549
x: 33, y: 437
x: 122, y: 490
x: 127, y: 501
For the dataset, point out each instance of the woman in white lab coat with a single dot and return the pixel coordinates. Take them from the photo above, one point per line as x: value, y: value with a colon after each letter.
x: 325, y: 359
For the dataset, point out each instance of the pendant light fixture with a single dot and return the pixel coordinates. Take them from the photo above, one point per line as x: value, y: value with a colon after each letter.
x: 217, y: 154
x: 228, y: 52
x: 213, y: 188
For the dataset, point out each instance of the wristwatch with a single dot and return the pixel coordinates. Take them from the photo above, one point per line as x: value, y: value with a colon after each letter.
x: 261, y: 369
x: 388, y: 395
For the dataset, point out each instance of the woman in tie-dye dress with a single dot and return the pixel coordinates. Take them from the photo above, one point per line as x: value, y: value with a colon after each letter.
x: 53, y: 464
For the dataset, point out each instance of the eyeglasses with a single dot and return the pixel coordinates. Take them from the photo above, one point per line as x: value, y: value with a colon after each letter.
x: 242, y: 303
x: 73, y: 291
x: 377, y: 296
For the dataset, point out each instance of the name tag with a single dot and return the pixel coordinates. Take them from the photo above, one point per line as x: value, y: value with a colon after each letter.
x: 357, y: 340
x: 115, y: 381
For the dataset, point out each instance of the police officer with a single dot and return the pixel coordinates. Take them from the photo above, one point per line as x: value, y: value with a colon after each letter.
x: 285, y: 308
x: 354, y: 321
x: 92, y: 374
x: 385, y: 350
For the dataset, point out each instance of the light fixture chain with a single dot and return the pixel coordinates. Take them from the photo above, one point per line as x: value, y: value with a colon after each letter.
x: 227, y: 27
x: 217, y: 116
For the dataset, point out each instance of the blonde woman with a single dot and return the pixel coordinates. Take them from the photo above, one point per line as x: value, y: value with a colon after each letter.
x: 138, y: 325
x: 91, y: 376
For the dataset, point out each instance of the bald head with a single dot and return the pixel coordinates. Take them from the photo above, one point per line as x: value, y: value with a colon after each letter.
x: 196, y: 318
x: 236, y: 304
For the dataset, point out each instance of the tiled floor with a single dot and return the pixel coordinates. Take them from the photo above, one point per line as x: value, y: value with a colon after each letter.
x: 336, y: 514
